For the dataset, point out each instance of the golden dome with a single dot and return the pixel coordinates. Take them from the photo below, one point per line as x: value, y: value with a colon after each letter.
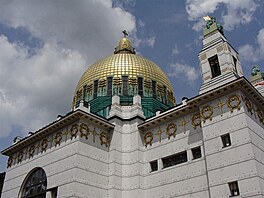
x: 124, y: 62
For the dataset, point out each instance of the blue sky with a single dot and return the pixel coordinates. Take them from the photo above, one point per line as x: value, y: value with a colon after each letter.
x: 46, y: 46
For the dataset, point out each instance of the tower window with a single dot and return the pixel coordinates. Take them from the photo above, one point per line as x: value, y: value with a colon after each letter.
x: 233, y: 187
x: 125, y: 85
x: 226, y: 140
x: 154, y: 165
x: 95, y: 88
x: 140, y: 86
x: 174, y: 159
x: 196, y: 152
x: 154, y: 89
x: 215, y: 67
x: 235, y: 63
x: 109, y: 85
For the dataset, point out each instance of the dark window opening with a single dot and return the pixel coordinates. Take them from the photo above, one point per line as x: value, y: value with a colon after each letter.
x: 235, y: 63
x: 196, y: 152
x: 35, y: 185
x: 154, y: 89
x: 84, y: 92
x: 174, y: 159
x: 125, y: 85
x: 109, y: 85
x: 215, y: 67
x: 95, y: 88
x: 140, y: 86
x: 233, y: 187
x: 226, y: 140
x: 154, y: 165
x: 165, y: 94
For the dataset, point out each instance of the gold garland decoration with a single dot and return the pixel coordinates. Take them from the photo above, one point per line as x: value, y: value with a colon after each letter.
x: 10, y: 161
x: 171, y: 130
x: 20, y: 156
x: 207, y: 112
x: 104, y: 138
x: 44, y: 144
x: 74, y: 130
x: 58, y: 138
x: 196, y: 120
x: 148, y: 138
x: 31, y: 151
x: 249, y: 105
x: 260, y: 115
x: 233, y: 102
x: 85, y: 131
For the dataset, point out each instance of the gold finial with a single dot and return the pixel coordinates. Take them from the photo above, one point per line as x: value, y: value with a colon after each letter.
x: 125, y: 33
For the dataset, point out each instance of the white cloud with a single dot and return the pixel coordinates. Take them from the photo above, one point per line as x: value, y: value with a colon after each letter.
x: 151, y: 41
x: 239, y: 12
x: 250, y: 53
x: 36, y: 88
x: 175, y: 50
x: 141, y: 23
x: 184, y: 71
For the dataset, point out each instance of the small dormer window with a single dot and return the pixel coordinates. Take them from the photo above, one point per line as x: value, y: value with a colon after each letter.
x: 215, y: 67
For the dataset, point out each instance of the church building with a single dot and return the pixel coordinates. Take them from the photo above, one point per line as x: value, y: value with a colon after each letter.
x: 126, y: 137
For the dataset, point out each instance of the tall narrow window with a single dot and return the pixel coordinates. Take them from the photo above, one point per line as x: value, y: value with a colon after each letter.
x: 226, y: 140
x: 233, y: 187
x: 125, y: 85
x: 235, y: 63
x: 215, y: 67
x: 84, y: 92
x: 154, y: 89
x: 35, y: 185
x: 165, y: 94
x: 196, y: 152
x: 95, y: 88
x: 154, y: 165
x: 140, y: 86
x: 109, y: 85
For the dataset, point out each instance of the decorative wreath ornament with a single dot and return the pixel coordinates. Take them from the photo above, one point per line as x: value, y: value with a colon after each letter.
x: 20, y: 156
x: 249, y: 105
x: 148, y: 138
x: 207, y: 112
x: 31, y: 151
x: 85, y: 131
x: 10, y: 161
x: 171, y: 130
x: 74, y: 130
x: 260, y: 115
x: 196, y: 120
x: 233, y: 102
x: 58, y: 138
x: 44, y: 145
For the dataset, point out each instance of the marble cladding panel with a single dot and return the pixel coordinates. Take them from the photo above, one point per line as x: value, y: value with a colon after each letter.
x: 260, y: 169
x: 123, y: 158
x: 230, y: 156
x: 255, y: 127
x: 239, y: 171
x: 181, y: 188
x: 237, y: 137
x: 124, y: 170
x: 247, y: 188
x: 177, y: 173
x: 89, y: 151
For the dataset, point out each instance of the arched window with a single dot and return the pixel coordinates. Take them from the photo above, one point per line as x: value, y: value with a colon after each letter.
x: 35, y: 185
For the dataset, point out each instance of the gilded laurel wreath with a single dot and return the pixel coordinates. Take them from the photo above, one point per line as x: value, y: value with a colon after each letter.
x: 57, y: 138
x: 171, y: 130
x: 233, y: 102
x: 74, y: 130
x: 85, y: 131
x: 148, y: 138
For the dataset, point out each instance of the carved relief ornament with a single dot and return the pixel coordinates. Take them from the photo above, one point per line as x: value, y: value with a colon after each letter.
x: 148, y: 138
x: 207, y: 112
x: 74, y: 130
x: 171, y: 130
x: 85, y: 131
x: 233, y: 102
x: 196, y: 120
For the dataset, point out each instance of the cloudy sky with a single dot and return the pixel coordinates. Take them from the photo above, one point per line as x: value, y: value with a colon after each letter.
x: 45, y: 46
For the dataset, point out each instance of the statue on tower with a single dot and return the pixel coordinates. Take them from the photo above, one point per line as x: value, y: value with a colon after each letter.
x: 211, y: 21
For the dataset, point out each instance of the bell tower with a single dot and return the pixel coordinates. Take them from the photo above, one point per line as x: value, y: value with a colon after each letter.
x: 219, y: 61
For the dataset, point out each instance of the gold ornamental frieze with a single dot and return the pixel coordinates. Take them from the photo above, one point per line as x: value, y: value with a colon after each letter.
x: 44, y: 144
x: 196, y: 120
x: 85, y: 131
x: 104, y: 138
x: 171, y: 130
x: 58, y: 138
x: 31, y: 150
x: 74, y: 130
x: 207, y: 112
